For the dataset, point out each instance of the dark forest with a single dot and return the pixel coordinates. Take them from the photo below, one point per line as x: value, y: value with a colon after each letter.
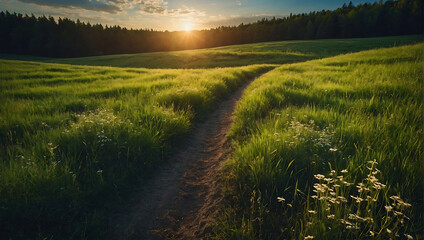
x: 48, y: 37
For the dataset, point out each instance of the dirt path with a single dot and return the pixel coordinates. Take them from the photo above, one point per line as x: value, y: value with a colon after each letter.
x: 181, y: 201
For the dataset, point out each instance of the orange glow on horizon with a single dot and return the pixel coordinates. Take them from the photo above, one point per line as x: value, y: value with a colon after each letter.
x: 187, y: 27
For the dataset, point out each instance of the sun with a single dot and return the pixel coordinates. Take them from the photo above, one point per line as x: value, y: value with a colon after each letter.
x: 187, y: 27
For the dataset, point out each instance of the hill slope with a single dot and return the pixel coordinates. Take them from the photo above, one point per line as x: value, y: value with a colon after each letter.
x: 239, y: 55
x: 330, y: 148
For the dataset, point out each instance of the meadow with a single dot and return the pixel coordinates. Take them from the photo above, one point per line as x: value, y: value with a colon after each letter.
x: 75, y: 140
x: 237, y: 55
x: 329, y: 149
x: 73, y: 136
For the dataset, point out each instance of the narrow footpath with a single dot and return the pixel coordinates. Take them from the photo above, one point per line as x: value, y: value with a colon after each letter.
x: 181, y: 201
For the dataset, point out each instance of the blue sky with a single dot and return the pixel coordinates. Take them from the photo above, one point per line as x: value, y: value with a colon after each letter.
x: 169, y: 14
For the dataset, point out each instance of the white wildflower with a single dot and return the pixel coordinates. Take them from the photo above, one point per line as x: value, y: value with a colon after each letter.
x: 319, y: 176
x: 408, y: 236
x: 395, y: 198
x: 397, y: 213
x: 373, y: 162
x: 358, y: 199
x: 388, y: 208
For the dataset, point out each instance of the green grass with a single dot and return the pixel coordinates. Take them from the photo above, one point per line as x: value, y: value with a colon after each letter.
x: 74, y: 139
x: 305, y: 119
x: 239, y: 55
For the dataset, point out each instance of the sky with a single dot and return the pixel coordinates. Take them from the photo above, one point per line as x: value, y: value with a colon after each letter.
x: 171, y: 15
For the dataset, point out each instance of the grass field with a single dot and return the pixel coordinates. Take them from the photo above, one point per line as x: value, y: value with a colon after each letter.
x: 76, y: 139
x: 72, y: 136
x: 330, y: 149
x: 239, y: 55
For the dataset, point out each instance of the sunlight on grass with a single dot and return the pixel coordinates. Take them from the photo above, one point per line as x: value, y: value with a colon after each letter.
x: 74, y: 139
x: 324, y: 149
x: 301, y: 125
x: 242, y: 55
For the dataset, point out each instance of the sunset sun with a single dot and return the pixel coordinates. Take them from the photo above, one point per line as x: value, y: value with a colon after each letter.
x: 188, y: 27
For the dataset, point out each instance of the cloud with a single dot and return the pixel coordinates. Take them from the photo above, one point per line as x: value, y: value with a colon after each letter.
x: 93, y: 5
x: 152, y: 6
x: 115, y: 6
x: 238, y: 3
x: 161, y: 7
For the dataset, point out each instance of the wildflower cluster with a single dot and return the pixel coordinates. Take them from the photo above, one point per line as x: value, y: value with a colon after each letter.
x: 308, y: 133
x: 329, y: 200
x: 26, y: 162
x: 395, y: 218
x: 101, y: 117
x: 354, y: 210
x: 101, y: 136
x: 102, y: 124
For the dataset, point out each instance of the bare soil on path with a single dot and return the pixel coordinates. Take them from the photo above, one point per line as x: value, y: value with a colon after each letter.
x: 182, y: 199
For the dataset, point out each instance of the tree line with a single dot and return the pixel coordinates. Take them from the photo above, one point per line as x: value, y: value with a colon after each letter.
x: 44, y: 36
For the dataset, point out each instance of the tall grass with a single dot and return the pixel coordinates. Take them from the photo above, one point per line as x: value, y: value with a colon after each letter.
x: 74, y: 139
x: 308, y: 138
